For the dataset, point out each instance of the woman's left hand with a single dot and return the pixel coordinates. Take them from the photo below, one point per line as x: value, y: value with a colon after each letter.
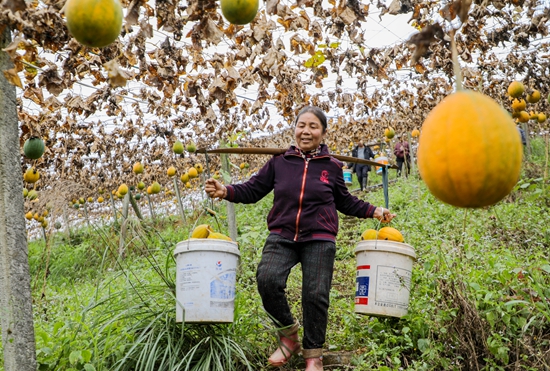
x: 384, y: 215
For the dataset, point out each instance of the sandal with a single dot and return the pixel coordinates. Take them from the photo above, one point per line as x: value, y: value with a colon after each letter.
x: 289, y: 345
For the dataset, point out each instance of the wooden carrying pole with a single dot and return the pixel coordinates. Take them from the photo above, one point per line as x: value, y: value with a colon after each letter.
x: 277, y: 151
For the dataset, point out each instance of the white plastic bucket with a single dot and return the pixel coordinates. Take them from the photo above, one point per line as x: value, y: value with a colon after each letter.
x: 381, y: 160
x: 383, y: 282
x: 205, y: 280
x: 347, y: 176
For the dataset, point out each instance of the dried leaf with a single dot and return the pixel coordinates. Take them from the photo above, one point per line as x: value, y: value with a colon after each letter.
x: 395, y: 7
x: 132, y: 14
x: 117, y: 76
x: 15, y: 5
x: 423, y: 39
x: 13, y: 46
x: 458, y: 8
x: 212, y: 33
x: 271, y: 6
x: 348, y: 16
x: 13, y: 78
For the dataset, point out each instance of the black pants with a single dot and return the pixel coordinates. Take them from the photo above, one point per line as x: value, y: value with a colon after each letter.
x: 362, y: 172
x: 317, y: 259
x: 400, y: 162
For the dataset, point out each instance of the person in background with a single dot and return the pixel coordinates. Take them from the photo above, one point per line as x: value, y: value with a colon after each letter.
x: 362, y: 170
x: 308, y: 192
x: 402, y: 156
x: 522, y: 136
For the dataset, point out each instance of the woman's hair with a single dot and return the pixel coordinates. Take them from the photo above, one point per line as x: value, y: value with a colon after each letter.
x: 317, y: 112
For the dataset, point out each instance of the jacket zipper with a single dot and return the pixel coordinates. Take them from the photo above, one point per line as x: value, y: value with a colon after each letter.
x: 301, y: 199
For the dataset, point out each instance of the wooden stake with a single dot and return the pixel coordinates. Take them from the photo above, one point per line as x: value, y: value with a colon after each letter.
x: 150, y: 207
x: 230, y: 207
x: 114, y: 208
x: 86, y: 215
x: 177, y: 188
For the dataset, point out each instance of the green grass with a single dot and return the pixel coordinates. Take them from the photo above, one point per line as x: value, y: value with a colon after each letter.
x: 478, y: 301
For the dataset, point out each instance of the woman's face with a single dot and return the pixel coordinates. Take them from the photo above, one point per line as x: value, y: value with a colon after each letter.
x: 308, y: 132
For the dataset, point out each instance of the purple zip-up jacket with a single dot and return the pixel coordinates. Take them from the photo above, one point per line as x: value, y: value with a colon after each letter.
x: 307, y: 195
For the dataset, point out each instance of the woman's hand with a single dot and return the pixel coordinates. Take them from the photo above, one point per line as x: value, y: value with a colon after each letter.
x: 384, y: 215
x: 215, y: 189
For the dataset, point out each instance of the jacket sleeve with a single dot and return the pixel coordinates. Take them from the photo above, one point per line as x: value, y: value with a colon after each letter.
x: 348, y: 204
x: 256, y: 188
x: 398, y: 151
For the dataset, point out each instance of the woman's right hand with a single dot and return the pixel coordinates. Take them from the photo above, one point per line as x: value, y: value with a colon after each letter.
x: 215, y: 189
x: 384, y: 215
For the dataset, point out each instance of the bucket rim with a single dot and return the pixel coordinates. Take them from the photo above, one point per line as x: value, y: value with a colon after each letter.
x: 386, y: 246
x: 205, y: 244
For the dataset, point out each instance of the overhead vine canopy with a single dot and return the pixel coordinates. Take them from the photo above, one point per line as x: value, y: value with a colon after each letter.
x: 179, y: 70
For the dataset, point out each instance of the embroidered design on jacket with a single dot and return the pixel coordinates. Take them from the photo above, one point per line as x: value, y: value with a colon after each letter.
x: 324, y: 176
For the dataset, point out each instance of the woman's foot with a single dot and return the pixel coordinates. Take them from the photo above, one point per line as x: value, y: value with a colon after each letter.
x: 314, y: 364
x: 288, y: 346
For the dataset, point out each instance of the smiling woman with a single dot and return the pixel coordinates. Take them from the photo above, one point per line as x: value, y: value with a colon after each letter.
x: 309, y: 190
x: 310, y: 129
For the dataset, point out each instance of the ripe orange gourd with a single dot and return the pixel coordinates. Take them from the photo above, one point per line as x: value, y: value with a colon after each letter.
x: 470, y: 152
x: 31, y: 175
x: 122, y: 189
x: 390, y: 234
x: 137, y: 168
x: 518, y: 105
x: 534, y: 97
x: 94, y: 23
x: 192, y: 172
x: 171, y: 171
x: 199, y: 168
x: 523, y: 116
x: 369, y: 234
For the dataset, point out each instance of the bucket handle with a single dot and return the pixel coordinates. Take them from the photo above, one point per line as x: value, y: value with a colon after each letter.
x: 205, y: 210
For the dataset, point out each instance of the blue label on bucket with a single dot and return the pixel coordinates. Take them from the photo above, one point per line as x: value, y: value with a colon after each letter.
x: 223, y: 286
x: 362, y: 287
x: 347, y: 176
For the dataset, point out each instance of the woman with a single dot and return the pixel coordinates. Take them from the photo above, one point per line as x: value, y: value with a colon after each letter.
x: 402, y: 156
x: 309, y: 188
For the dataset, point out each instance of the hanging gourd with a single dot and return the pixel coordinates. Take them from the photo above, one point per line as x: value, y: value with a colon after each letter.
x: 470, y: 151
x: 94, y: 23
x: 34, y: 148
x: 239, y: 11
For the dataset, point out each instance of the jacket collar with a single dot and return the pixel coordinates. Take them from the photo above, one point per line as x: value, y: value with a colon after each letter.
x: 294, y: 151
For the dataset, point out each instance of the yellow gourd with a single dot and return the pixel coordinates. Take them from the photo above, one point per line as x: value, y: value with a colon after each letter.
x: 390, y: 234
x: 469, y: 152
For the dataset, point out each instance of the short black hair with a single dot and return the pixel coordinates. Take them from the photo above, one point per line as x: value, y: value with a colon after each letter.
x: 317, y: 112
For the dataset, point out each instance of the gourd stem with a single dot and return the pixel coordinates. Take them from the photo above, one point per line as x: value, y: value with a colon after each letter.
x: 456, y: 66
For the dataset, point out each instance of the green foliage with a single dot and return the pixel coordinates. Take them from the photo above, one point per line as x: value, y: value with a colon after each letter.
x: 315, y: 60
x: 478, y: 300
